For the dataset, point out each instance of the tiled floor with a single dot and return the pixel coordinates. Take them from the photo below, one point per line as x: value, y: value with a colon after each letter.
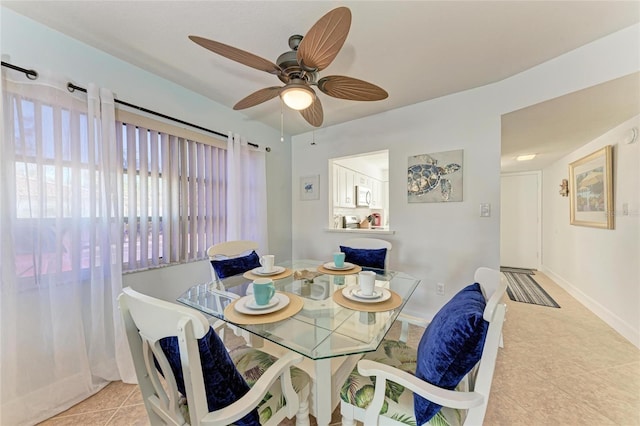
x: 558, y: 366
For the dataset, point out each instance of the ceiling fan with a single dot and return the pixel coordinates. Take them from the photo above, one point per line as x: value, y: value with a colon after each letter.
x: 298, y: 68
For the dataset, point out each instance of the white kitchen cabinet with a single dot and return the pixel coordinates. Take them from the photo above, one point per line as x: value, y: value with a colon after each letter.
x: 377, y: 197
x: 335, y: 186
x: 344, y: 187
x: 363, y: 180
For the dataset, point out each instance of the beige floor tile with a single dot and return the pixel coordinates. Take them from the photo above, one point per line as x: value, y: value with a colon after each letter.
x: 131, y: 415
x: 112, y: 396
x: 94, y: 418
x: 497, y: 416
x: 597, y: 392
x: 135, y: 398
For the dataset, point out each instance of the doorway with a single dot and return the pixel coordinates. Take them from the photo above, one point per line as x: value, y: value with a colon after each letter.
x: 520, y: 220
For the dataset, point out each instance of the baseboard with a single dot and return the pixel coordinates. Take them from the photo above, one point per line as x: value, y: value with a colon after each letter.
x: 615, y: 322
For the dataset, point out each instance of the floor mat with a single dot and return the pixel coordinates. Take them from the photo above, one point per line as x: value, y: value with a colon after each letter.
x: 517, y: 270
x: 521, y: 287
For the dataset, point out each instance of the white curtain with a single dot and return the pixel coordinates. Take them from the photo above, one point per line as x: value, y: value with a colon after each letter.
x: 61, y: 337
x: 246, y: 193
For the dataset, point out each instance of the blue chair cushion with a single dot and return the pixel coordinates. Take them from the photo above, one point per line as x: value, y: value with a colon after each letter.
x: 451, y: 346
x: 372, y: 258
x: 236, y: 265
x: 222, y: 382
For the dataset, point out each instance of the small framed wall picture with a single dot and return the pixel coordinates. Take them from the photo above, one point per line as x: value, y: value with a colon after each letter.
x: 310, y: 187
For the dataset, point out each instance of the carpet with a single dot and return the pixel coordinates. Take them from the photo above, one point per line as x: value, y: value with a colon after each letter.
x: 521, y: 287
x: 517, y: 270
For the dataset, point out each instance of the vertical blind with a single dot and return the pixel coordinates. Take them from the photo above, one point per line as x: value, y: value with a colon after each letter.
x: 174, y: 197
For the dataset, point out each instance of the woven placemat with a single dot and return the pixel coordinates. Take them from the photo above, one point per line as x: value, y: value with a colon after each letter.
x: 393, y: 302
x: 295, y: 305
x: 351, y: 271
x: 284, y: 274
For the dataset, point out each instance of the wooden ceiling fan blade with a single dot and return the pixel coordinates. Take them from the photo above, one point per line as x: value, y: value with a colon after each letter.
x: 238, y: 55
x: 324, y: 40
x: 314, y: 114
x: 258, y: 97
x: 342, y: 87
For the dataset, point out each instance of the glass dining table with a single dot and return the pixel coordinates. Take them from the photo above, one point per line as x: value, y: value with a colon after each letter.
x: 330, y: 331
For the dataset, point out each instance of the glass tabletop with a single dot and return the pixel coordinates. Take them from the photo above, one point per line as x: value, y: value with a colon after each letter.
x: 323, y: 328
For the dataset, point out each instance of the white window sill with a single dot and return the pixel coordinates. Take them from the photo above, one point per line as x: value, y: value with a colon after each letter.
x: 377, y: 231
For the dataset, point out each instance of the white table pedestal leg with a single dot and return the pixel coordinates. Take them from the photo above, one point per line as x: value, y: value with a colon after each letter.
x: 322, y: 391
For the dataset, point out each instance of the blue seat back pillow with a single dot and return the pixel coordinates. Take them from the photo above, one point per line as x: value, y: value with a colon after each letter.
x: 367, y: 258
x: 451, y: 346
x: 236, y: 265
x: 223, y: 383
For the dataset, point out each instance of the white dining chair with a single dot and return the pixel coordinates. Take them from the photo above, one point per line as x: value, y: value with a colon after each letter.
x: 199, y: 382
x: 460, y: 347
x: 241, y: 252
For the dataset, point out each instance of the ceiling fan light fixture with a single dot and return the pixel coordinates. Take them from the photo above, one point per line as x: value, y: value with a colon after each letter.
x: 297, y: 96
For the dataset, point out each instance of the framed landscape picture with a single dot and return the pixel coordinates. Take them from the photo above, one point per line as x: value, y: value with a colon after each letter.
x: 591, y: 190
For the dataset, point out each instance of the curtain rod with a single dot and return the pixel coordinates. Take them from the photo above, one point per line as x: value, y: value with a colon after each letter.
x: 33, y: 75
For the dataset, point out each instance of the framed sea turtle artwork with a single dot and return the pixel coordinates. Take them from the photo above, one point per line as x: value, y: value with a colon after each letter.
x: 435, y: 177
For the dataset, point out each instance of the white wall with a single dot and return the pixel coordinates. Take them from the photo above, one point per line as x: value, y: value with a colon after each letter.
x: 446, y: 242
x: 28, y: 44
x: 599, y: 267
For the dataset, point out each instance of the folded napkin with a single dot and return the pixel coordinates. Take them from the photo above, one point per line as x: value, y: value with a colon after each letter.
x: 306, y: 274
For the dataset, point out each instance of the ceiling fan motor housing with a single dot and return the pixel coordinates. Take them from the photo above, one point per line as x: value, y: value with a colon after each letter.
x: 291, y: 69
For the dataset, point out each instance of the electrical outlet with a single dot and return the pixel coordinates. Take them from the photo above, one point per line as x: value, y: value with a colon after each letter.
x: 440, y: 289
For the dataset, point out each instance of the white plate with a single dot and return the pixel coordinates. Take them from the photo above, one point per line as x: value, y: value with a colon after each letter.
x: 351, y: 291
x: 241, y: 305
x: 276, y: 270
x: 333, y: 267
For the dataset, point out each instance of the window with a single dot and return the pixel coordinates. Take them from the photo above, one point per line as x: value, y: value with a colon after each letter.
x: 171, y: 196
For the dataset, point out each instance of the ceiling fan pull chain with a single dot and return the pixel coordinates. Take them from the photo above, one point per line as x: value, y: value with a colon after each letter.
x: 281, y: 120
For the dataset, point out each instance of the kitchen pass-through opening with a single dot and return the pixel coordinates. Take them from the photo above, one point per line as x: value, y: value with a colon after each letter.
x: 359, y: 191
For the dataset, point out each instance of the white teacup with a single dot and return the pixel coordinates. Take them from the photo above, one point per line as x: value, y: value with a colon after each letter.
x: 267, y: 261
x: 367, y: 281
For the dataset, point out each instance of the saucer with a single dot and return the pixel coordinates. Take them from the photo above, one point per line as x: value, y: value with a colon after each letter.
x: 332, y: 266
x: 358, y: 293
x: 281, y: 301
x: 252, y: 304
x: 276, y: 270
x: 351, y: 294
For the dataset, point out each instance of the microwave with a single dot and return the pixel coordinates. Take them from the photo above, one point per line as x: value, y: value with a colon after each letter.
x: 363, y: 196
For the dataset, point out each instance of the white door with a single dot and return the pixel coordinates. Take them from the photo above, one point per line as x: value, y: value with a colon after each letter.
x: 520, y: 227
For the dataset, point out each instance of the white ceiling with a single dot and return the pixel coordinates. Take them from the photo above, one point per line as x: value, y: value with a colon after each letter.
x: 416, y: 50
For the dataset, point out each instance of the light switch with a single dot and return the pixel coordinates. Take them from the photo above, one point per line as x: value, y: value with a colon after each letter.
x: 485, y: 210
